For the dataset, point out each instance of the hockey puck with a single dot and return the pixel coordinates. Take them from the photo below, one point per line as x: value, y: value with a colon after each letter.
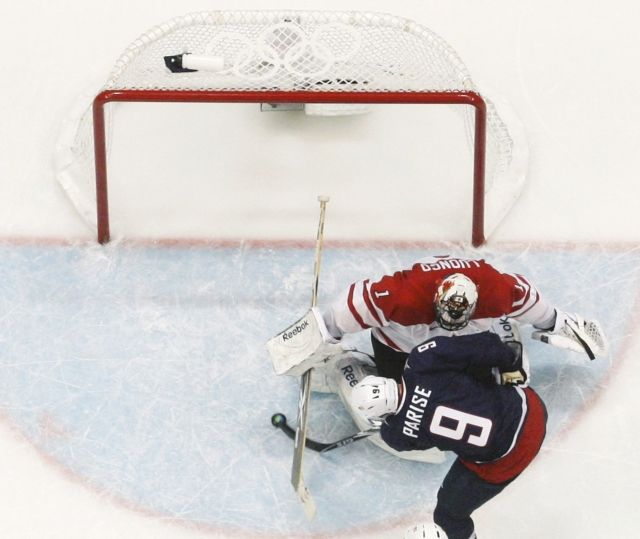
x: 278, y: 419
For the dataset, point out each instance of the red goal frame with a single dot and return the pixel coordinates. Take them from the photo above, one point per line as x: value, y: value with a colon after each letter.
x: 277, y: 97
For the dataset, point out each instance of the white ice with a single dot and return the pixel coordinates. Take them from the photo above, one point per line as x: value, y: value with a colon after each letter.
x: 134, y: 395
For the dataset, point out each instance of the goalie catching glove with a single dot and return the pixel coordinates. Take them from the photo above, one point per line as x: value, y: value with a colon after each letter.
x: 573, y: 332
x: 302, y: 346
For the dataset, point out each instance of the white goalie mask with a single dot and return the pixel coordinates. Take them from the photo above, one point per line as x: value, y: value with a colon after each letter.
x: 375, y: 397
x: 455, y: 301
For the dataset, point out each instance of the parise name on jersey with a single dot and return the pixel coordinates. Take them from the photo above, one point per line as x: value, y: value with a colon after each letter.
x: 444, y: 406
x: 415, y: 412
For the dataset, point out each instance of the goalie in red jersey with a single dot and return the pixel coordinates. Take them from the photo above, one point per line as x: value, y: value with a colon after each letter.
x: 443, y: 296
x: 436, y: 296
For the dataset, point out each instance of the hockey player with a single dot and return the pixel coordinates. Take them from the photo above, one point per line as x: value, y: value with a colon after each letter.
x: 449, y: 296
x: 494, y: 430
x: 437, y: 296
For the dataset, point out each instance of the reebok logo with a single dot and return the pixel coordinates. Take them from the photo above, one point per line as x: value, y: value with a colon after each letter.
x: 349, y: 376
x: 298, y: 329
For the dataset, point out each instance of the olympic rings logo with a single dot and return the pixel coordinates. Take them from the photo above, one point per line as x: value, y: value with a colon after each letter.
x: 286, y: 46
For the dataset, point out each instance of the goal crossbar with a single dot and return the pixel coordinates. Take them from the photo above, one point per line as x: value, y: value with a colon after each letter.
x: 472, y: 99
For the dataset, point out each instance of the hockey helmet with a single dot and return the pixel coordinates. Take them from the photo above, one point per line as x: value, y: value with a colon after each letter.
x: 375, y: 397
x: 455, y: 301
x: 429, y: 530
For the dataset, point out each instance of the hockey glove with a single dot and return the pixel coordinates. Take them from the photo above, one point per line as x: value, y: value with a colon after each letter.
x: 515, y: 374
x: 573, y: 332
x: 302, y: 346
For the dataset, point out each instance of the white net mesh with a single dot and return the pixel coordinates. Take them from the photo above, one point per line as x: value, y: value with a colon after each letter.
x: 294, y: 51
x: 346, y: 52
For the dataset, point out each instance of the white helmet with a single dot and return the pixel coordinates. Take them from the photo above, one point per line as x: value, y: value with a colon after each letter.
x: 375, y: 397
x: 455, y: 301
x: 429, y: 530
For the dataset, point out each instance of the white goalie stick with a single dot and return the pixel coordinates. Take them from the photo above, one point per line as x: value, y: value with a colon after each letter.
x: 305, y: 387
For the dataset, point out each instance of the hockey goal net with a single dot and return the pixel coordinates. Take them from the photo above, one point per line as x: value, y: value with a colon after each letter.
x: 331, y: 59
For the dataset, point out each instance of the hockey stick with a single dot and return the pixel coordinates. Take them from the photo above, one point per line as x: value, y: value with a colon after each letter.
x: 305, y: 387
x: 279, y: 421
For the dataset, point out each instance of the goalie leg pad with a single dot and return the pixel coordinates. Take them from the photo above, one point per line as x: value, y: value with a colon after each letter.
x: 324, y: 378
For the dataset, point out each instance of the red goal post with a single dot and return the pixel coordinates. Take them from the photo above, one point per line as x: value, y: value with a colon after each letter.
x: 207, y: 96
x: 300, y: 57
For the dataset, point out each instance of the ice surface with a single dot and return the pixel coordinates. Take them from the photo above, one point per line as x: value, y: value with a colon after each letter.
x: 567, y: 70
x: 142, y: 370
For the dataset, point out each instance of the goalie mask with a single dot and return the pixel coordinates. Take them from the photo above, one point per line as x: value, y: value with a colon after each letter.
x: 455, y: 301
x: 375, y: 397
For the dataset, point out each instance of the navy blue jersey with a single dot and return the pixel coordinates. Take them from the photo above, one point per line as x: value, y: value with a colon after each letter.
x: 444, y: 406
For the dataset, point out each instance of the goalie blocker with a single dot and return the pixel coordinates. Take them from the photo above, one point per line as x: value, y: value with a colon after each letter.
x: 302, y: 346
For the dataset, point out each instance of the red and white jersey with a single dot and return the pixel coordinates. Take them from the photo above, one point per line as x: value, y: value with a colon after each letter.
x: 399, y: 308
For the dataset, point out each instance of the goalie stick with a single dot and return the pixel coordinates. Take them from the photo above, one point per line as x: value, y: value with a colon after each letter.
x: 305, y: 387
x: 279, y: 421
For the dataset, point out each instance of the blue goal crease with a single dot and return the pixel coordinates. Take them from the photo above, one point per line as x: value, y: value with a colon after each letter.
x: 143, y: 371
